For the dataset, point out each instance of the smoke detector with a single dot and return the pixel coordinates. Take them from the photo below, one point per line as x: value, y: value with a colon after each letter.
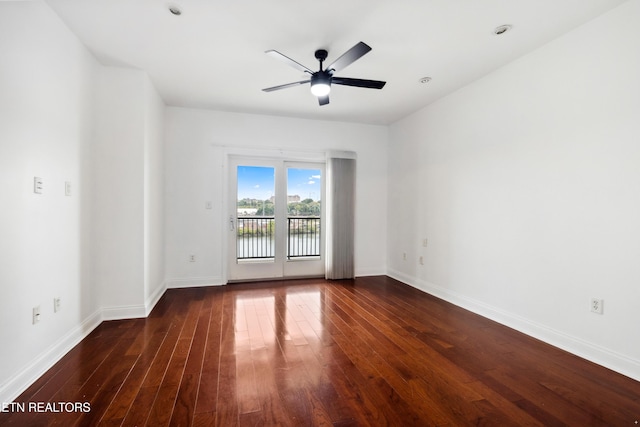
x: 501, y: 29
x: 175, y: 10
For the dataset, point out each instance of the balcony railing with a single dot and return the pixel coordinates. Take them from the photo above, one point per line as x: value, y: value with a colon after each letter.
x: 256, y: 237
x: 303, y: 237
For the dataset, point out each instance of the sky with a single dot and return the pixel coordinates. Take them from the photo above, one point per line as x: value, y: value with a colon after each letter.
x: 258, y: 182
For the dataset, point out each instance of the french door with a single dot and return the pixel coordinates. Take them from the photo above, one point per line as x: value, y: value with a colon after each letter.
x: 276, y: 221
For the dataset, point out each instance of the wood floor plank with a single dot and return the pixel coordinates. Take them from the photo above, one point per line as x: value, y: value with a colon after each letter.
x: 142, y: 404
x: 165, y: 403
x: 184, y: 407
x: 226, y: 396
x: 103, y: 381
x: 529, y: 386
x: 130, y: 387
x: 365, y: 352
x: 377, y: 381
x: 272, y: 410
x: 106, y: 393
x: 406, y: 384
x: 204, y: 419
x: 160, y: 362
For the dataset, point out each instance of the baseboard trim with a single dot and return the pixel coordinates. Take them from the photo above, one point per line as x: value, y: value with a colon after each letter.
x: 153, y: 299
x: 366, y: 273
x: 194, y: 282
x: 17, y: 384
x: 589, y: 351
x: 124, y: 312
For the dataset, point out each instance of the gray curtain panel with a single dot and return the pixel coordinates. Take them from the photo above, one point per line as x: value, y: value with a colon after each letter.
x: 341, y: 175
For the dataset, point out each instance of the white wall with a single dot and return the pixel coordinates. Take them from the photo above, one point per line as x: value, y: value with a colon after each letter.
x: 46, y: 125
x: 153, y: 196
x: 193, y: 175
x: 119, y: 186
x: 65, y: 118
x: 526, y: 184
x: 127, y: 211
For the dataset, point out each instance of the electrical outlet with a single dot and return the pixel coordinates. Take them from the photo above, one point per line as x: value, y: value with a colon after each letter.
x: 192, y: 258
x: 56, y: 304
x: 67, y: 188
x: 424, y: 242
x: 597, y: 305
x: 36, y: 315
x: 421, y: 260
x: 404, y: 256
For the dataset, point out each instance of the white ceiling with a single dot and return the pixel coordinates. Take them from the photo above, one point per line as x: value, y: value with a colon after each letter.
x: 212, y: 56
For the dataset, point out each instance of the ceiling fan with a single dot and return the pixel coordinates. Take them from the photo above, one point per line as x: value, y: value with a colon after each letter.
x: 322, y: 79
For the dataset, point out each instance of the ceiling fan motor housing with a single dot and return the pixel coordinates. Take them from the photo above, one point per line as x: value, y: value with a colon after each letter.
x: 321, y: 77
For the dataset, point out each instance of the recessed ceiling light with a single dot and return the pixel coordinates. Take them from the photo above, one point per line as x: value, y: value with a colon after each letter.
x: 175, y: 10
x: 425, y: 80
x: 501, y: 29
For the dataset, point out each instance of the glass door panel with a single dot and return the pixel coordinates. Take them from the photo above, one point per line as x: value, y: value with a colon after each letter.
x: 255, y: 226
x: 304, y: 220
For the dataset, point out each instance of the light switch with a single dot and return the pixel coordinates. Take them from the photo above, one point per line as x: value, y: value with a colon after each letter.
x: 67, y: 188
x: 37, y: 185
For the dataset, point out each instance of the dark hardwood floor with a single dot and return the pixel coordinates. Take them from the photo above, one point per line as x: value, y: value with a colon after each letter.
x: 311, y: 352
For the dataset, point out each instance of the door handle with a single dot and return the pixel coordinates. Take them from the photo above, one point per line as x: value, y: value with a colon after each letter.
x: 232, y: 225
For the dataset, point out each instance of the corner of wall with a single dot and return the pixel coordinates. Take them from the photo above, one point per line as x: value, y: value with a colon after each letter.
x: 153, y: 299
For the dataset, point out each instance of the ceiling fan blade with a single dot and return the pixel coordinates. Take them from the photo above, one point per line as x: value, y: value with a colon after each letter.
x: 371, y: 84
x: 287, y: 60
x: 350, y: 56
x: 323, y: 100
x: 271, y: 89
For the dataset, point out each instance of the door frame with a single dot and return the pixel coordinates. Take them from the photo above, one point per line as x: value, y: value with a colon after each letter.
x: 252, y: 269
x: 294, y: 268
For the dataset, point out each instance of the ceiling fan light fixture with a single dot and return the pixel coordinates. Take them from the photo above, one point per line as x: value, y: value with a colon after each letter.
x: 320, y: 84
x: 320, y: 89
